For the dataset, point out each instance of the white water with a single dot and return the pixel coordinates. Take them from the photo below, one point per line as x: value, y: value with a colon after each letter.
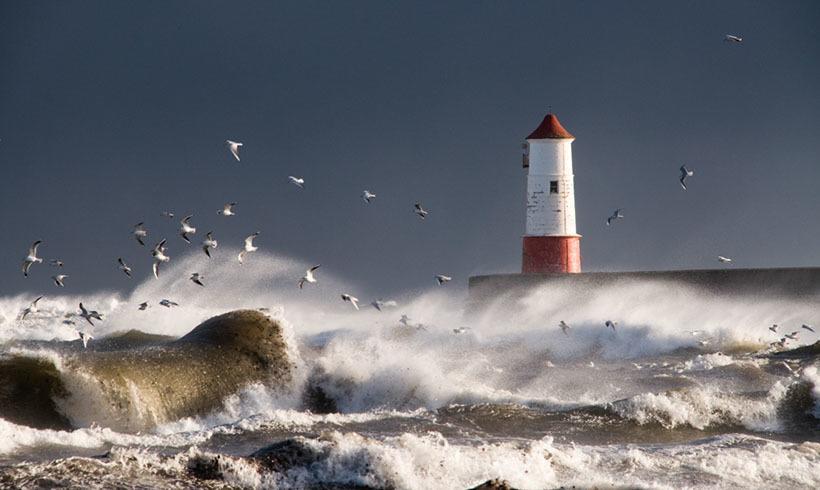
x: 376, y: 368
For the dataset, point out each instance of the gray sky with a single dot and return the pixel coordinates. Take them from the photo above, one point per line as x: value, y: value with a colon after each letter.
x: 414, y: 101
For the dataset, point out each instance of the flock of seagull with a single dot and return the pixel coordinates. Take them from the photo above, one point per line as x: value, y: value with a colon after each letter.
x: 186, y: 231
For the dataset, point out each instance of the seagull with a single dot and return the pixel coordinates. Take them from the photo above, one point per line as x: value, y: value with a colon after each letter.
x: 159, y: 256
x: 85, y: 338
x: 704, y: 342
x: 208, y: 243
x: 773, y: 328
x: 807, y: 327
x: 167, y: 214
x: 88, y: 315
x: 58, y: 279
x: 616, y: 215
x: 441, y: 279
x: 168, y: 303
x: 460, y: 330
x: 420, y: 211
x: 248, y: 247
x: 351, y: 299
x: 124, y: 267
x: 140, y: 233
x: 368, y: 196
x: 684, y: 173
x: 143, y: 306
x: 196, y: 278
x: 404, y: 320
x: 32, y: 308
x: 780, y: 344
x: 564, y: 327
x: 32, y: 257
x: 379, y: 304
x: 186, y: 228
x: 308, y: 277
x: 791, y: 336
x: 695, y: 333
x: 723, y: 259
x: 56, y: 263
x: 234, y: 147
x: 297, y: 181
x: 729, y: 38
x: 69, y: 322
x: 227, y: 210
x: 610, y: 324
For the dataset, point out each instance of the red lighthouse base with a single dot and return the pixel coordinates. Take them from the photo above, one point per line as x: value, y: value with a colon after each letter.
x: 551, y: 254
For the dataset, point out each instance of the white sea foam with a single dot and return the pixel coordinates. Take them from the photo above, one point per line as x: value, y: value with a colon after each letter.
x: 812, y: 375
x: 702, y: 407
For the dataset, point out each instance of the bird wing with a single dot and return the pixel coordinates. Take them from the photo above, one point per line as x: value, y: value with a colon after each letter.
x: 26, y: 267
x: 185, y: 219
x: 241, y: 257
x: 33, y: 249
x: 155, y: 268
x: 315, y: 267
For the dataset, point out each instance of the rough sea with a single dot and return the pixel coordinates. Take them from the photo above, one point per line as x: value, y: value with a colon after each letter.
x: 685, y: 392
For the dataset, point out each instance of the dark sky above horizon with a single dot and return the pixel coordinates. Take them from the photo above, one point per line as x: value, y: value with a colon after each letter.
x: 111, y: 112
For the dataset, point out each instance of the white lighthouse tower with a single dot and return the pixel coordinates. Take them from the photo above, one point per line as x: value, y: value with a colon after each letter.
x: 551, y: 243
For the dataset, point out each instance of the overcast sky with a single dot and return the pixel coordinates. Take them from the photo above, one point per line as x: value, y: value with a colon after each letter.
x: 111, y: 112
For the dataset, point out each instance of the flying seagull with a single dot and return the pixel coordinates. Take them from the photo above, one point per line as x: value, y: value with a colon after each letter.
x: 791, y: 336
x: 58, y: 279
x: 308, y: 277
x: 208, y: 243
x: 297, y: 181
x: 159, y: 256
x: 234, y: 147
x: 249, y: 247
x: 85, y: 338
x: 186, y: 229
x: 610, y: 324
x: 124, y: 267
x: 227, y: 210
x: 88, y: 315
x: 168, y: 303
x: 196, y: 278
x: 420, y: 211
x: 730, y: 38
x: 368, y: 196
x: 56, y: 263
x: 405, y: 320
x: 379, y: 304
x: 773, y: 328
x: 684, y: 173
x: 167, y: 214
x: 807, y: 327
x: 31, y: 308
x: 441, y: 279
x: 32, y: 257
x: 723, y: 259
x: 616, y: 215
x: 564, y: 327
x: 460, y: 330
x: 143, y: 306
x: 140, y: 233
x: 352, y: 300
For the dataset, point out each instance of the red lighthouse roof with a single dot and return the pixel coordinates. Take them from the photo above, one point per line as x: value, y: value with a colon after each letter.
x: 550, y: 128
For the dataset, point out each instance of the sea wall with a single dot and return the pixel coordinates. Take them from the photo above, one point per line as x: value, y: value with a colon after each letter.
x: 802, y: 282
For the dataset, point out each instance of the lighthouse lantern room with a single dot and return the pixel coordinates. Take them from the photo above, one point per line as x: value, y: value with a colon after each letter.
x: 551, y: 243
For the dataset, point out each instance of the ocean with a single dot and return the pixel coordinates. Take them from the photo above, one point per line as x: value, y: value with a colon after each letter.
x: 685, y: 392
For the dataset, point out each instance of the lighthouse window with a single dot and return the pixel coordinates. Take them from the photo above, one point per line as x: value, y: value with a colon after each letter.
x: 553, y: 187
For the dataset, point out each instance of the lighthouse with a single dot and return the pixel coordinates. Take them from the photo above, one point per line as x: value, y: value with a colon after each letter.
x: 551, y: 243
